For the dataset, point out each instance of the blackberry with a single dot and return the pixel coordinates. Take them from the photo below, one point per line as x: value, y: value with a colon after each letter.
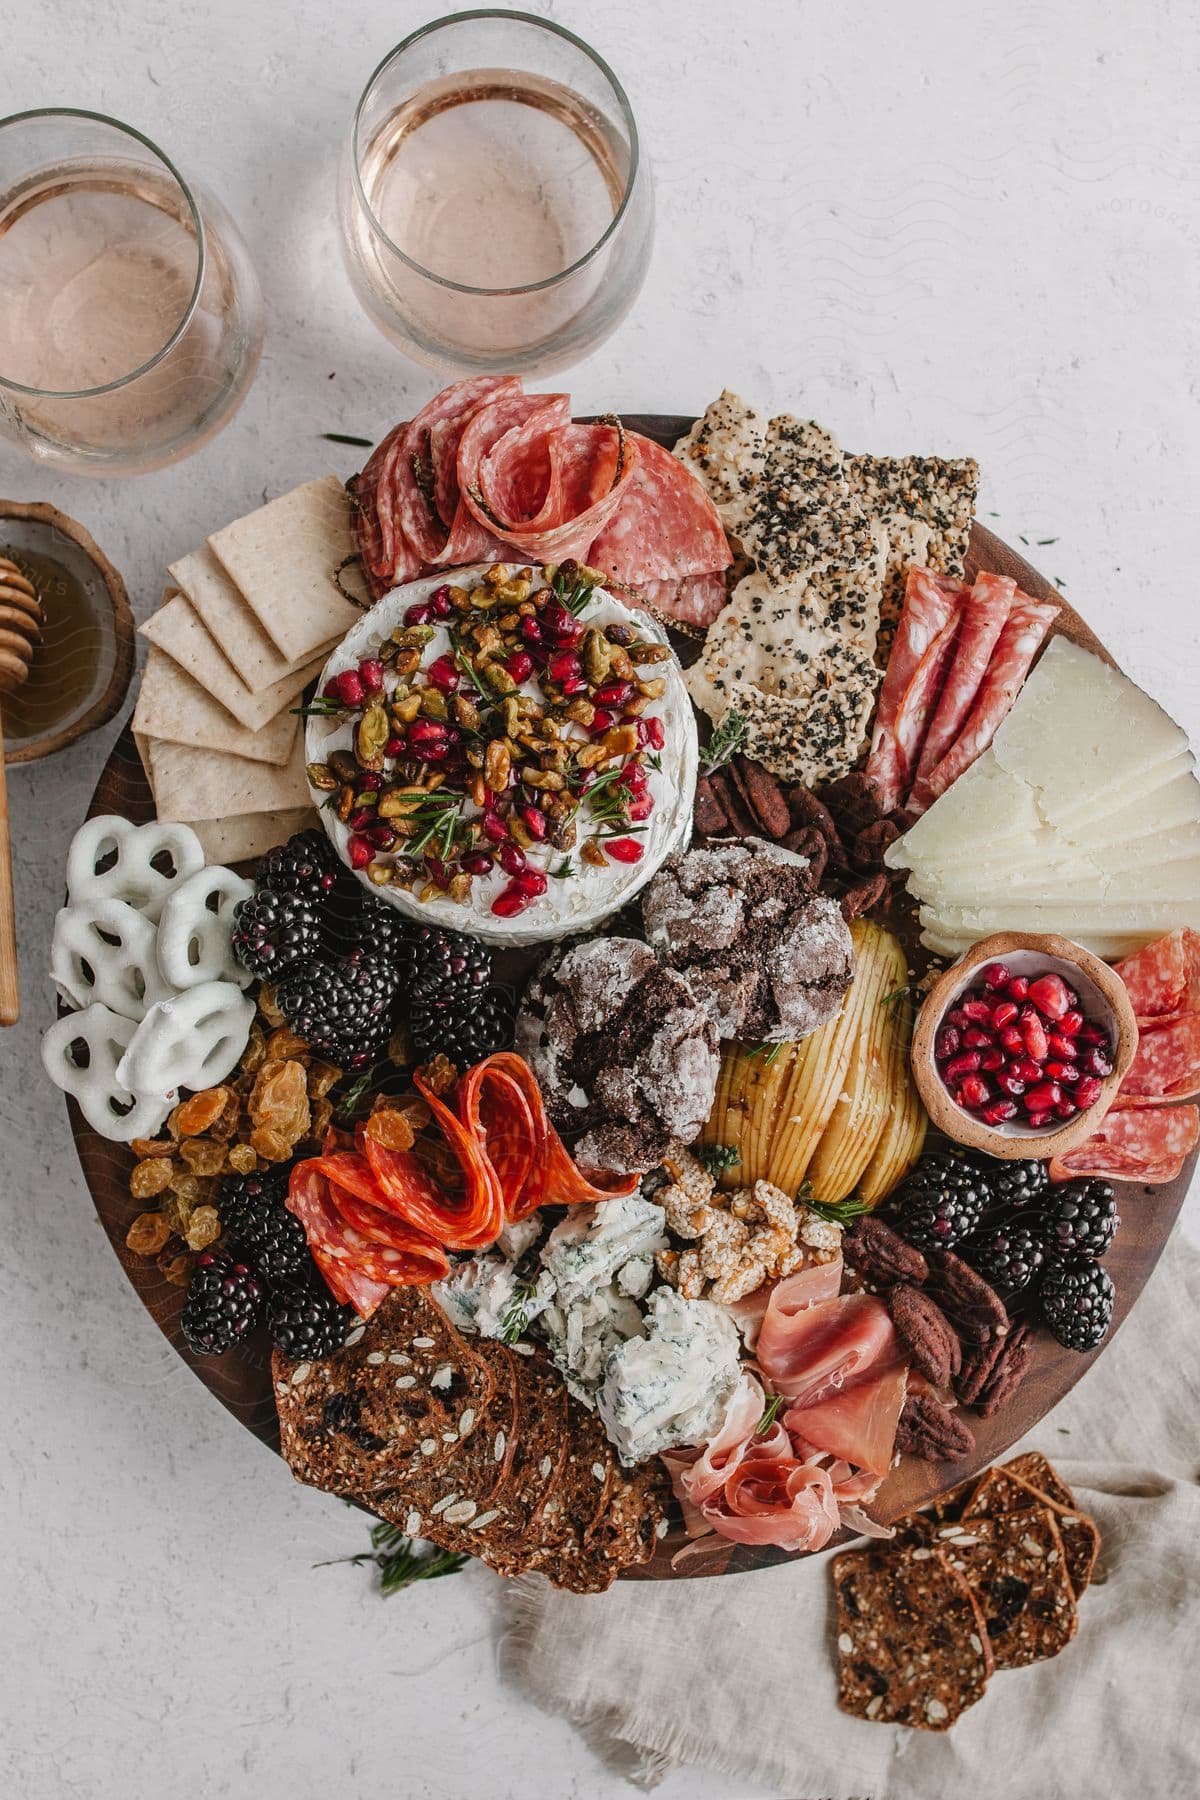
x: 1009, y: 1256
x: 940, y: 1204
x: 1016, y: 1184
x: 342, y: 1008
x: 272, y: 932
x: 378, y: 930
x: 307, y: 865
x: 1078, y: 1218
x: 259, y: 1228
x: 305, y: 1320
x: 1077, y: 1302
x: 225, y: 1300
x: 450, y: 960
x: 465, y: 1027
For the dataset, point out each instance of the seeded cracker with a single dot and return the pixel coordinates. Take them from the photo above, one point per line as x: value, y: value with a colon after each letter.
x: 1039, y: 1472
x: 926, y: 504
x: 725, y: 450
x: 911, y: 1645
x: 1016, y: 1567
x: 1000, y: 1491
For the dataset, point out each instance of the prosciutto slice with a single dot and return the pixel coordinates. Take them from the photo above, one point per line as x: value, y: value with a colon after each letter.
x: 857, y: 1423
x: 985, y: 613
x: 824, y: 1346
x: 1018, y: 644
x: 931, y: 603
x: 1134, y: 1143
x: 1164, y: 978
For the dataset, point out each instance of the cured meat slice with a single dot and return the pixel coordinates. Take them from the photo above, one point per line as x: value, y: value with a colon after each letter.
x: 446, y: 434
x: 1164, y: 978
x: 1134, y: 1143
x: 694, y: 600
x: 858, y: 1422
x: 387, y: 558
x: 477, y: 1220
x: 412, y: 469
x: 1167, y: 1063
x: 666, y: 529
x: 985, y: 613
x: 920, y: 700
x: 309, y: 1198
x: 825, y: 1345
x: 520, y: 473
x: 470, y: 538
x: 931, y: 601
x: 569, y: 478
x: 1018, y: 644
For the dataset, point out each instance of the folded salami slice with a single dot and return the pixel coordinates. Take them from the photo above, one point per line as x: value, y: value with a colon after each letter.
x: 1011, y: 661
x: 548, y: 488
x: 666, y: 529
x: 1134, y: 1143
x: 387, y: 558
x: 541, y: 1173
x: 985, y: 613
x: 931, y: 603
x: 692, y: 600
x: 310, y: 1199
x: 447, y: 431
x: 1167, y: 1063
x: 1164, y: 978
x: 414, y: 474
x: 470, y: 538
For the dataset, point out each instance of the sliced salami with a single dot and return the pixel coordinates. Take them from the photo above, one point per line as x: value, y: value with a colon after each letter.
x: 309, y: 1198
x: 578, y: 475
x: 931, y: 602
x: 1167, y: 1063
x: 667, y: 527
x: 921, y: 699
x: 412, y: 468
x: 1135, y: 1143
x: 694, y: 600
x: 470, y: 539
x: 1164, y: 978
x: 1018, y: 644
x: 387, y: 558
x: 985, y: 613
x: 446, y: 434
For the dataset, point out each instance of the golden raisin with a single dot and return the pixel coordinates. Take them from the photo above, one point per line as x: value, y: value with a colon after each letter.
x: 242, y: 1159
x: 151, y: 1177
x: 148, y: 1233
x: 193, y: 1117
x: 283, y: 1044
x: 178, y: 1269
x: 143, y: 1147
x: 203, y: 1228
x: 391, y: 1128
x: 271, y: 1145
x: 203, y: 1156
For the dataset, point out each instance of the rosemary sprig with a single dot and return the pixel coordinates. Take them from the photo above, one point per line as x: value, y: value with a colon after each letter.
x: 321, y: 706
x: 439, y: 821
x: 396, y: 1558
x: 564, y: 871
x: 348, y: 1103
x: 572, y: 589
x: 770, y: 1413
x: 892, y: 1001
x: 468, y: 668
x: 344, y: 437
x: 718, y: 1157
x: 515, y: 1316
x: 725, y: 742
x: 768, y: 1052
x: 838, y: 1212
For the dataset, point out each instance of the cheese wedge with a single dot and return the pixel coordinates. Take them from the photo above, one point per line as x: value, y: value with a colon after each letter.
x: 1080, y: 919
x: 1086, y: 882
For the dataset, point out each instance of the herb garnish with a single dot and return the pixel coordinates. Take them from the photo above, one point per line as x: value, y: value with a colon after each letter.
x: 515, y: 1316
x: 565, y: 869
x: 321, y: 706
x: 768, y: 1052
x: 718, y: 1157
x: 572, y: 586
x: 837, y: 1212
x: 729, y: 737
x: 349, y: 1100
x: 344, y: 437
x: 770, y: 1412
x: 892, y: 1000
x: 396, y: 1558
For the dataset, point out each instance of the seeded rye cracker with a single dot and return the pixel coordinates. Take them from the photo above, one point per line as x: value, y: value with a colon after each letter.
x: 1014, y: 1563
x: 177, y: 630
x: 1039, y: 1472
x: 1001, y: 1491
x: 234, y: 625
x: 911, y: 1645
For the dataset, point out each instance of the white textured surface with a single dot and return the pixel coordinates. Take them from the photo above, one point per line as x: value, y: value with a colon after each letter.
x: 964, y: 229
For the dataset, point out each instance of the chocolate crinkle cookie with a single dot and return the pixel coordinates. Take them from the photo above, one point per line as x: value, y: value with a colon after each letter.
x: 767, y: 956
x: 622, y: 1051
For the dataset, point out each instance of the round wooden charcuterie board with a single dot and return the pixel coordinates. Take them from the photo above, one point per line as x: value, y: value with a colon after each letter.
x: 240, y: 1380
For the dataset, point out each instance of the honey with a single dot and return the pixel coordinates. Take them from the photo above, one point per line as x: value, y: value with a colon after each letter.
x: 62, y: 674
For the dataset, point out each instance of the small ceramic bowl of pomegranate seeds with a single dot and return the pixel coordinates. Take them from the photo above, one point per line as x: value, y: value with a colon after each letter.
x: 1020, y: 1047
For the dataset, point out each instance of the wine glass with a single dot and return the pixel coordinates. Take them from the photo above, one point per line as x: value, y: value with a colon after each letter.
x: 130, y: 314
x: 496, y: 209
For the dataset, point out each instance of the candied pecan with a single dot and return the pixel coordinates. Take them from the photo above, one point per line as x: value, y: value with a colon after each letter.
x: 927, y: 1332
x: 880, y: 1255
x: 740, y: 820
x: 806, y: 840
x: 1006, y: 1372
x: 931, y: 1431
x: 763, y: 795
x: 710, y: 816
x: 861, y: 896
x: 868, y: 846
x: 976, y: 1308
x: 853, y: 800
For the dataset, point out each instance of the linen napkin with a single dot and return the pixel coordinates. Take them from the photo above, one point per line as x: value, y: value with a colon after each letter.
x: 738, y: 1673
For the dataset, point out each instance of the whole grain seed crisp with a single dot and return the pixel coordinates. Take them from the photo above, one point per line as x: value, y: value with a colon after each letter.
x: 1016, y: 1568
x: 912, y: 1649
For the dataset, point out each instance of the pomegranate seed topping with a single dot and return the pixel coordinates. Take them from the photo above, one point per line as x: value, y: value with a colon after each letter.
x: 652, y: 733
x: 1051, y: 995
x: 1000, y: 1112
x: 1061, y: 1046
x: 444, y: 673
x: 974, y: 1092
x: 512, y: 859
x: 1066, y: 1108
x: 614, y: 693
x: 371, y: 670
x: 639, y: 808
x: 360, y: 852
x: 477, y: 862
x: 1096, y: 1062
x: 960, y: 1066
x: 976, y: 1039
x: 1091, y: 1034
x: 369, y: 781
x: 394, y: 747
x: 991, y: 1060
x: 348, y: 688
x: 1010, y: 1084
x: 626, y: 850
x: 946, y: 1043
x: 1039, y: 1119
x: 562, y: 625
x: 977, y: 1012
x: 531, y: 882
x: 1012, y: 1040
x: 574, y: 684
x: 418, y: 614
x: 586, y: 781
x: 433, y: 753
x: 996, y: 975
x: 1071, y: 1024
x: 563, y: 665
x: 494, y: 827
x: 534, y: 821
x: 1063, y: 1071
x: 531, y: 631
x: 1018, y: 988
x: 510, y: 902
x: 1026, y: 1069
x: 358, y: 821
x: 1034, y: 1034
x: 440, y: 603
x: 381, y: 836
x: 602, y: 722
x: 1003, y: 1014
x: 428, y: 731
x: 519, y: 665
x: 1044, y: 1097
x: 957, y: 1017
x: 1087, y: 1091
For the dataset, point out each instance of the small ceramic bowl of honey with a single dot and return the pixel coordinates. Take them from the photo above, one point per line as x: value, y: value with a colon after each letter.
x: 82, y: 662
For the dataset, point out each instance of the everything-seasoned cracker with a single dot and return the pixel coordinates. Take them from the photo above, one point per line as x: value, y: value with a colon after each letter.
x: 911, y: 1645
x: 1017, y: 1569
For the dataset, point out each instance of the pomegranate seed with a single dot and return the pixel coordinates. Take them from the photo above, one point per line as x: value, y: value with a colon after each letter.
x: 1010, y: 1084
x: 1044, y: 1097
x: 1003, y: 1014
x: 534, y: 820
x: 996, y: 975
x: 347, y: 687
x: 494, y: 827
x: 1012, y: 1040
x: 633, y: 777
x: 974, y: 1092
x: 433, y: 753
x: 428, y: 731
x: 360, y: 852
x: 358, y: 821
x: 437, y: 869
x: 1018, y: 988
x: 381, y: 836
x: 1062, y: 1071
x: 976, y: 1012
x: 562, y: 625
x: 991, y: 1060
x: 946, y: 1043
x: 602, y: 722
x: 639, y: 808
x: 477, y: 862
x: 1051, y: 995
x: 371, y: 670
x: 563, y: 665
x: 395, y: 746
x: 519, y: 665
x: 975, y: 1039
x: 513, y: 859
x: 1038, y: 1119
x: 1087, y: 1091
x: 586, y: 781
x: 574, y: 684
x: 531, y: 631
x: 614, y: 693
x: 510, y: 902
x: 652, y: 733
x: 531, y: 882
x: 1060, y: 1045
x: 957, y: 1017
x: 1096, y: 1062
x: 1000, y: 1112
x: 1034, y: 1035
x: 440, y: 603
x: 959, y: 1066
x: 444, y: 673
x: 1071, y: 1024
x: 1066, y: 1108
x: 369, y: 781
x: 626, y: 850
x: 1025, y: 1069
x: 419, y: 613
x: 1091, y: 1034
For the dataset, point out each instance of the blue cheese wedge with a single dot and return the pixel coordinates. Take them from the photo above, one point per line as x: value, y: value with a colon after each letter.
x: 670, y: 1386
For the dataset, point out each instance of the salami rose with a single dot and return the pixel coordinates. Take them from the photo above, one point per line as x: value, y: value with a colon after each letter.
x: 666, y: 534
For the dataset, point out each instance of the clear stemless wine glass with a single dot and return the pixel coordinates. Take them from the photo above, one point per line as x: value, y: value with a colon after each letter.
x: 131, y: 318
x: 496, y: 210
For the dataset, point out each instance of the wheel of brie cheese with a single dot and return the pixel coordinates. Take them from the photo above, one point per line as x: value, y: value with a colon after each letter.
x: 502, y: 756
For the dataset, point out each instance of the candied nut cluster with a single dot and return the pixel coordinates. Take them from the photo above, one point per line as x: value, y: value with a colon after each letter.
x: 276, y: 1102
x: 741, y: 1239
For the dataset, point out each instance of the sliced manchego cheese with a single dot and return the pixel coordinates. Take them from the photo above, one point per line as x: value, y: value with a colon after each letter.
x: 1083, y: 883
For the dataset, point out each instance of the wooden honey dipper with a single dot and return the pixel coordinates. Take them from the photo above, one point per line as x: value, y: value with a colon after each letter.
x: 20, y: 629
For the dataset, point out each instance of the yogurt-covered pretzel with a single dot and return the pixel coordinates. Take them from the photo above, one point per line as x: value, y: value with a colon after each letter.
x: 81, y: 1053
x: 192, y: 1040
x: 105, y: 952
x: 193, y: 932
x: 132, y: 876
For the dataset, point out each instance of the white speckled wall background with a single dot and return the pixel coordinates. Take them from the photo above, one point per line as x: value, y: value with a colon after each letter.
x: 954, y: 228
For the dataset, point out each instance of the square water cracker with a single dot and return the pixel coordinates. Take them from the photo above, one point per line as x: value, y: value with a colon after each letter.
x: 171, y: 706
x: 912, y: 1649
x: 249, y: 835
x: 177, y: 630
x: 232, y: 623
x: 1000, y: 1491
x: 209, y: 784
x: 1016, y: 1567
x: 284, y: 558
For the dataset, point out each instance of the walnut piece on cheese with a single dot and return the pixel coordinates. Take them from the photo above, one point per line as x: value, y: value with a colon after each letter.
x: 741, y: 1239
